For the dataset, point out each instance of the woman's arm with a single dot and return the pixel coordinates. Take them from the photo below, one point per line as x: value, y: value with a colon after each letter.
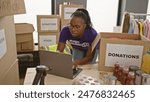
x: 61, y: 46
x: 86, y: 59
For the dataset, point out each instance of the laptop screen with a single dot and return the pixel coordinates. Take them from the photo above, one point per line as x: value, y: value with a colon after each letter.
x: 59, y: 63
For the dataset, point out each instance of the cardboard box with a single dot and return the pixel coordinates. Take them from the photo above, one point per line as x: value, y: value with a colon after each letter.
x: 24, y: 36
x: 11, y: 7
x: 18, y: 46
x: 8, y: 53
x: 127, y: 49
x: 64, y: 23
x: 144, y: 38
x: 25, y: 46
x: 65, y: 10
x: 46, y: 39
x: 11, y: 77
x: 48, y: 23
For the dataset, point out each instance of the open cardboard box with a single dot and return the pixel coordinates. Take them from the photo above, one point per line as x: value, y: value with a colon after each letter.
x: 24, y: 36
x: 127, y: 49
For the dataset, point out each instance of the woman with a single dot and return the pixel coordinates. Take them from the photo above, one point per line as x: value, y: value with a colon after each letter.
x: 80, y: 34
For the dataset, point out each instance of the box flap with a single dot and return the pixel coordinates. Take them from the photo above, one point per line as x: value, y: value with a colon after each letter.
x: 11, y: 7
x: 120, y: 35
x: 95, y: 42
x: 144, y: 38
x: 20, y: 38
x: 22, y: 28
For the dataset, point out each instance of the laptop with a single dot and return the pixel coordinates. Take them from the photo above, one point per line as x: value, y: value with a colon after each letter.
x: 60, y: 64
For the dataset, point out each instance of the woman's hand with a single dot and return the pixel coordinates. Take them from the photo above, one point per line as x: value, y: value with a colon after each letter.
x: 76, y: 63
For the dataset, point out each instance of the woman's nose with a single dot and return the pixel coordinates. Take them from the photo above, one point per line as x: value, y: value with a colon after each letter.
x: 73, y: 30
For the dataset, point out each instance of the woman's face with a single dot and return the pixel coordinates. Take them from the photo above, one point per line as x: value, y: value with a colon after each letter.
x: 77, y: 26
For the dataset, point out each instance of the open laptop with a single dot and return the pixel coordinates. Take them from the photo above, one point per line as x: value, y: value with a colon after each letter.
x: 60, y: 64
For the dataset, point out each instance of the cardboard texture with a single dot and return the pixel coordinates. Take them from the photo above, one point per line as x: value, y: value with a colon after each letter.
x: 64, y: 23
x: 20, y: 38
x: 46, y: 39
x: 22, y: 28
x: 11, y: 7
x: 7, y: 23
x: 25, y: 46
x: 11, y: 77
x: 110, y: 38
x: 24, y: 36
x: 144, y: 38
x: 66, y: 10
x: 18, y: 46
x: 48, y: 23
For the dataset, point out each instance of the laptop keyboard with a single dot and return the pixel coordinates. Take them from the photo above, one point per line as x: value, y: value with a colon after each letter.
x: 76, y: 71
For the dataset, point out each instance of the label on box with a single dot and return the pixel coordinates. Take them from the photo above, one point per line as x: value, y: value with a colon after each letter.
x: 49, y: 24
x: 68, y: 12
x: 3, y: 47
x: 124, y: 54
x: 46, y: 40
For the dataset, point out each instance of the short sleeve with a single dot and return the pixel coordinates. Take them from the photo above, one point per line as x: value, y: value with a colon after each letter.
x: 91, y: 35
x: 64, y: 35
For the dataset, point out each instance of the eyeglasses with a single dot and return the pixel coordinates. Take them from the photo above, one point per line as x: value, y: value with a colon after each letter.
x: 74, y: 27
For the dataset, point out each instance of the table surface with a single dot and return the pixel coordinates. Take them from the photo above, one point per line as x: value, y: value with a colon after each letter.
x: 88, y: 70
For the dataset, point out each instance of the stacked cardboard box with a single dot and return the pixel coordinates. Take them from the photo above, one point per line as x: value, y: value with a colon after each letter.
x: 48, y: 27
x: 8, y: 54
x: 125, y: 49
x: 65, y: 11
x: 24, y: 36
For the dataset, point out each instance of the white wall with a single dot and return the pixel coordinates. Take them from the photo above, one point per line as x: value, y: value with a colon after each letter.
x: 148, y: 10
x: 103, y: 14
x: 34, y: 8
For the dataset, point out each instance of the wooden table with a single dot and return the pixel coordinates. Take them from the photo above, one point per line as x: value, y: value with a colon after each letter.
x: 88, y: 70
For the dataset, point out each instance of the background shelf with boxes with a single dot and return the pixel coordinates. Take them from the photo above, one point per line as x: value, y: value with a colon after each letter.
x: 48, y: 27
